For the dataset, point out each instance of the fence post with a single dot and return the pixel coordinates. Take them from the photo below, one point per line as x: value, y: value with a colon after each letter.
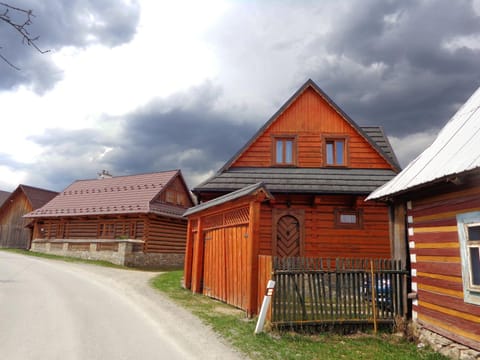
x: 266, y: 303
x: 374, y: 298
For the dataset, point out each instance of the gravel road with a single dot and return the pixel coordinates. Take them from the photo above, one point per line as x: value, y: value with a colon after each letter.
x: 56, y: 310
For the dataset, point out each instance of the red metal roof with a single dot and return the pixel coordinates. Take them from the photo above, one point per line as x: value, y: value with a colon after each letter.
x: 116, y: 195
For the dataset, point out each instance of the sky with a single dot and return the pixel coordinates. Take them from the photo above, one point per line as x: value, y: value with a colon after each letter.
x: 144, y: 86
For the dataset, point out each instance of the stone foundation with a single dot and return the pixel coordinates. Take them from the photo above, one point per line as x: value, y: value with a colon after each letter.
x: 443, y: 345
x: 165, y: 261
x: 118, y: 251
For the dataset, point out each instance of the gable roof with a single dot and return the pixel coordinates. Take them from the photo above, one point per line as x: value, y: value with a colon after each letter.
x: 116, y: 195
x: 247, y: 190
x: 307, y: 180
x: 36, y: 197
x: 455, y: 151
x: 311, y: 84
x: 3, y: 196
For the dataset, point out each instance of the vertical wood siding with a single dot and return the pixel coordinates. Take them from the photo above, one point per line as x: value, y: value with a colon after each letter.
x: 436, y: 264
x: 225, y: 265
x: 309, y: 118
x: 13, y: 233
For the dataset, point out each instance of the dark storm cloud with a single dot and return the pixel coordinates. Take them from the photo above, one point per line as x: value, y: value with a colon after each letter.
x: 185, y: 132
x: 389, y: 63
x: 59, y: 23
x: 178, y: 133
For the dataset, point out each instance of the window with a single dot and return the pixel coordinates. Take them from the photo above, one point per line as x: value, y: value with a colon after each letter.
x: 106, y: 230
x: 468, y: 225
x: 335, y: 152
x: 284, y: 151
x: 349, y: 218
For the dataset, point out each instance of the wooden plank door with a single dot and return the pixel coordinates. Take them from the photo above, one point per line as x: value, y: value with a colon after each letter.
x: 288, y: 236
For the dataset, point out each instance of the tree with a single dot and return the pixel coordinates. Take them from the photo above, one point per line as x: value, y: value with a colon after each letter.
x: 21, y: 26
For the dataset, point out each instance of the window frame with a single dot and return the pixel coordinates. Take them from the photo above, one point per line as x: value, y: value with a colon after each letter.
x: 284, y: 139
x: 358, y: 224
x: 471, y: 292
x: 334, y: 139
x: 106, y: 230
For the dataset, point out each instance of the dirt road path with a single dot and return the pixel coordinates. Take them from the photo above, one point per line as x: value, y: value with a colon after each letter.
x: 56, y: 310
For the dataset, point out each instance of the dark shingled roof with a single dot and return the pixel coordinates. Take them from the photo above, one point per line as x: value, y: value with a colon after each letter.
x: 300, y: 180
x: 247, y: 190
x: 116, y: 195
x: 378, y: 136
x: 37, y: 197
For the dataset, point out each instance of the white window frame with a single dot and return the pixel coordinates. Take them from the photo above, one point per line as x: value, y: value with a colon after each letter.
x: 471, y: 292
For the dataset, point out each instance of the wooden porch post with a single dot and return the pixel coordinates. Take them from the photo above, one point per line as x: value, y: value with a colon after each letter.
x: 197, y: 259
x: 252, y: 257
x: 187, y: 266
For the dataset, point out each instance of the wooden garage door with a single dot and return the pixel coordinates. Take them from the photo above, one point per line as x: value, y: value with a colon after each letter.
x: 225, y: 264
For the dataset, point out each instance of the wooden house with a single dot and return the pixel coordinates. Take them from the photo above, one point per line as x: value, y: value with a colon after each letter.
x: 130, y: 220
x: 14, y: 232
x: 437, y: 196
x: 3, y: 196
x: 297, y: 188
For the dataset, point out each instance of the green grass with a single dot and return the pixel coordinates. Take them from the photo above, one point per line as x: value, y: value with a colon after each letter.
x: 232, y: 324
x: 65, y: 258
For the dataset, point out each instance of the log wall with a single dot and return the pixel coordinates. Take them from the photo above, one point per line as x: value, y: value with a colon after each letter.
x: 436, y: 262
x: 322, y: 238
x: 165, y: 235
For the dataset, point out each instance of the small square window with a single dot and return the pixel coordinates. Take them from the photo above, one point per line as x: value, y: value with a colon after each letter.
x: 348, y: 218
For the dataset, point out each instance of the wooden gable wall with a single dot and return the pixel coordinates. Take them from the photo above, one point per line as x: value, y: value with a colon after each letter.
x: 176, y: 193
x: 12, y: 212
x: 310, y: 117
x: 13, y: 233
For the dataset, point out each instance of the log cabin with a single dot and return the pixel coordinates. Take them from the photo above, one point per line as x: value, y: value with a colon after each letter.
x: 131, y: 220
x: 296, y: 189
x: 14, y: 230
x: 435, y: 204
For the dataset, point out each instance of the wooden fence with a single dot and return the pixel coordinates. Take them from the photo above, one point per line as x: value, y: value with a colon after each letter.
x: 311, y: 291
x: 14, y: 236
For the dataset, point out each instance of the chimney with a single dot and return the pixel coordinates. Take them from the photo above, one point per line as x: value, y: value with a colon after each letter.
x: 104, y: 175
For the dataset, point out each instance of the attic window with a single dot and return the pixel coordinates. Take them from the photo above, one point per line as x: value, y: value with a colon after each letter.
x: 284, y: 151
x: 335, y: 151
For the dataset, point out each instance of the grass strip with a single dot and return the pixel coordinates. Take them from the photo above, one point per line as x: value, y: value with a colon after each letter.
x: 65, y: 258
x: 232, y: 325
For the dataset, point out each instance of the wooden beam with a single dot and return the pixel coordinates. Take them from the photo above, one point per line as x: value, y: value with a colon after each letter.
x: 252, y: 258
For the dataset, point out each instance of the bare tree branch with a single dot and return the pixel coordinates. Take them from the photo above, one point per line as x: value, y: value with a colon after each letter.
x: 21, y: 27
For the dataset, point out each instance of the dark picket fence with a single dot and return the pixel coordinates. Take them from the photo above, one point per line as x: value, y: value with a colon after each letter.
x: 312, y: 291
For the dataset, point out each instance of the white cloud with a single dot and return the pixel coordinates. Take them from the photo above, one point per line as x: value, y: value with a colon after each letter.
x: 409, y: 147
